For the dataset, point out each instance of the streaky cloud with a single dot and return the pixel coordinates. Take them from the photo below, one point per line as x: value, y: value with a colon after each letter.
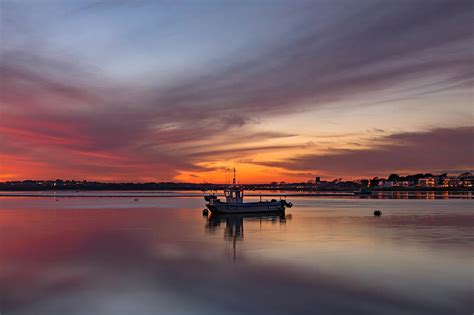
x: 60, y: 107
x: 435, y: 150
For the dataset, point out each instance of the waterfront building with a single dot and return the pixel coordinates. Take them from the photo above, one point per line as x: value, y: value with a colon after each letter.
x: 452, y: 182
x: 427, y: 182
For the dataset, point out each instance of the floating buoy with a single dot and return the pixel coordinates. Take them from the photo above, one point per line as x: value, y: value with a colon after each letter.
x: 205, y: 212
x: 377, y: 213
x: 136, y: 199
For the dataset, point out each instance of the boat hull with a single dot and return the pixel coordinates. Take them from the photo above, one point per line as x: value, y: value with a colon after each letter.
x: 250, y: 207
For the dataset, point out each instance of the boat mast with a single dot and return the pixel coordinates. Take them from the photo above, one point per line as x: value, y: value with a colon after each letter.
x: 233, y: 180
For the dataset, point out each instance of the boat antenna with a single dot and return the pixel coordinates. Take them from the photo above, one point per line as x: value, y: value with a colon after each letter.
x: 233, y: 180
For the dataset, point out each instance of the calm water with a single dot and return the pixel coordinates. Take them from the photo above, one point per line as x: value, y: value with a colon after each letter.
x: 161, y: 256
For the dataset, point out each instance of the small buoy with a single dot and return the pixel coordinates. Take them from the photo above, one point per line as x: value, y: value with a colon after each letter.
x: 205, y: 212
x: 377, y: 213
x: 136, y: 199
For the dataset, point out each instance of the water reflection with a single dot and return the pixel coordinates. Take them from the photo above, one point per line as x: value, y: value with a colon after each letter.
x: 118, y: 256
x: 405, y: 194
x: 234, y: 225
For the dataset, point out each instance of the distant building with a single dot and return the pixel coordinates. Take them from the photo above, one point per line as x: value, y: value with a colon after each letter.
x: 405, y: 183
x: 390, y: 183
x: 467, y: 179
x: 386, y: 183
x: 395, y: 183
x: 451, y: 182
x: 427, y: 182
x: 322, y: 184
x: 469, y: 182
x: 317, y: 180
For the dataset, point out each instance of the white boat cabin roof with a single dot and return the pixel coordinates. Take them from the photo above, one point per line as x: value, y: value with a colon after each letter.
x: 234, y: 194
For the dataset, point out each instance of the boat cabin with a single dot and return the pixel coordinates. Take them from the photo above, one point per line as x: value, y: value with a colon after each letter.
x: 234, y: 195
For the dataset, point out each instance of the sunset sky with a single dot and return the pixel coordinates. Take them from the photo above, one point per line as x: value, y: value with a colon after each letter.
x: 282, y: 90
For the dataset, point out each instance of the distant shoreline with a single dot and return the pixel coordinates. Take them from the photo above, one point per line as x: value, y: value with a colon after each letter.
x: 410, y: 183
x: 218, y: 187
x: 148, y: 194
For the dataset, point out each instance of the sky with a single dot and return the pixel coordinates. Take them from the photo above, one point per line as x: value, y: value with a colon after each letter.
x: 281, y: 90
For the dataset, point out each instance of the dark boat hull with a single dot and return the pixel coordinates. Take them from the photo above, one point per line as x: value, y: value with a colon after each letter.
x: 250, y: 207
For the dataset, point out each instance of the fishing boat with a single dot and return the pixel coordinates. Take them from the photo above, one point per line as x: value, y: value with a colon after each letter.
x: 234, y: 202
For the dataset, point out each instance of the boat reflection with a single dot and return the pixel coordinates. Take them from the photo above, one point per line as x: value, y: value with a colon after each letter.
x: 234, y: 224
